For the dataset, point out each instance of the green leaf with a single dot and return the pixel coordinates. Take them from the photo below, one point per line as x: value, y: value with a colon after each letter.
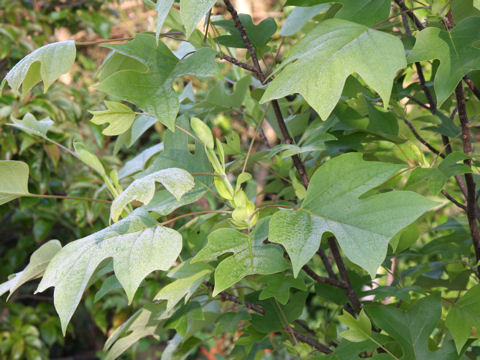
x: 363, y: 227
x: 412, y: 327
x: 32, y: 126
x: 366, y: 12
x: 138, y: 162
x: 176, y: 181
x: 36, y: 266
x: 44, y: 64
x: 89, y: 158
x: 278, y: 286
x: 476, y: 3
x: 203, y: 132
x: 456, y: 50
x: 162, y: 7
x: 299, y: 17
x: 13, y: 180
x: 150, y: 88
x: 220, y: 97
x: 318, y: 65
x: 188, y: 278
x: 164, y: 203
x: 359, y: 329
x: 192, y: 11
x: 137, y: 247
x: 464, y: 316
x: 119, y: 116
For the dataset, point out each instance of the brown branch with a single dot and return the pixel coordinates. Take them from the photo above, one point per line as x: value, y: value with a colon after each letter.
x: 472, y: 86
x: 343, y: 274
x: 323, y: 279
x: 449, y: 197
x: 467, y: 149
x: 421, y: 139
x: 410, y: 14
x: 238, y: 63
x: 326, y: 263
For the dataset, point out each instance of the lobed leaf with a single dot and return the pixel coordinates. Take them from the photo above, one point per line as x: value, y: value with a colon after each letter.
x: 119, y: 117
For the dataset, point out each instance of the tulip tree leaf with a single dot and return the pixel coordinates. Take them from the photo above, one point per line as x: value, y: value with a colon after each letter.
x: 456, y: 50
x: 137, y: 247
x: 366, y: 12
x: 192, y: 11
x: 13, y: 180
x: 359, y: 329
x: 464, y: 316
x: 278, y: 286
x: 162, y: 7
x: 411, y: 328
x: 36, y: 266
x: 188, y: 278
x: 43, y: 64
x: 246, y: 260
x: 32, y: 126
x: 176, y: 181
x: 89, y: 158
x: 119, y: 117
x: 363, y: 227
x: 151, y: 89
x: 318, y: 65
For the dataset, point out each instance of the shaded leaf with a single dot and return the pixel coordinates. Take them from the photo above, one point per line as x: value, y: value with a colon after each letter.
x: 32, y: 126
x: 13, y: 180
x: 278, y: 286
x: 299, y: 17
x: 456, y: 51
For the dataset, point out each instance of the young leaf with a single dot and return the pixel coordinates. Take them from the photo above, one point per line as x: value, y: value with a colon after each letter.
x: 119, y: 116
x: 176, y: 181
x: 13, y: 180
x: 319, y: 64
x: 137, y: 247
x: 192, y: 11
x: 36, y: 266
x: 44, y: 64
x: 456, y: 50
x: 33, y: 126
x: 151, y: 89
x: 464, y: 316
x: 203, y: 132
x: 363, y: 227
x: 188, y: 278
x: 359, y: 329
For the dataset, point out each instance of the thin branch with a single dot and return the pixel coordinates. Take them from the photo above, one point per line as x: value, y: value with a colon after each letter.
x: 472, y: 86
x: 343, y: 274
x: 326, y: 263
x: 449, y: 197
x: 396, y: 15
x: 193, y: 214
x: 421, y: 139
x: 237, y: 62
x: 410, y: 14
x: 66, y: 197
x: 322, y: 279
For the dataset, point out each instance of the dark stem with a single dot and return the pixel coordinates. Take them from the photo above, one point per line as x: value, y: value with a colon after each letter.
x: 238, y: 63
x: 449, y: 197
x: 326, y: 263
x: 323, y: 279
x: 357, y: 306
x: 421, y: 139
x: 471, y: 85
x: 410, y: 14
x: 467, y: 149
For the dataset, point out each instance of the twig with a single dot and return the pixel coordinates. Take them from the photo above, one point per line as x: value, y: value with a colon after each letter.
x: 322, y: 279
x: 421, y: 139
x: 326, y: 263
x: 396, y: 15
x: 449, y: 197
x: 472, y: 86
x: 66, y: 197
x: 343, y: 274
x: 104, y: 41
x: 237, y: 62
x: 410, y: 14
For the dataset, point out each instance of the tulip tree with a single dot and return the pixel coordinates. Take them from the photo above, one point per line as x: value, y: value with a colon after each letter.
x: 311, y: 191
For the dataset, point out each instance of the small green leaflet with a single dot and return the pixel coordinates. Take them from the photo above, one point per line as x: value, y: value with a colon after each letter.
x: 278, y: 286
x: 32, y: 126
x: 319, y: 64
x: 359, y: 329
x: 188, y: 278
x: 456, y: 51
x: 13, y: 180
x: 44, y: 64
x: 464, y: 316
x: 363, y: 227
x: 151, y: 89
x: 119, y: 117
x: 176, y: 181
x: 89, y: 158
x: 247, y: 259
x: 36, y: 266
x: 366, y: 12
x: 203, y: 132
x: 137, y: 247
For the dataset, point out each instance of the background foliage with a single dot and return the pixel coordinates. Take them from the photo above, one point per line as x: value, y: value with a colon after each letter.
x: 298, y: 182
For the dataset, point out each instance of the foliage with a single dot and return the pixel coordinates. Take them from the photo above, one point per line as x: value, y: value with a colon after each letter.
x: 285, y: 204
